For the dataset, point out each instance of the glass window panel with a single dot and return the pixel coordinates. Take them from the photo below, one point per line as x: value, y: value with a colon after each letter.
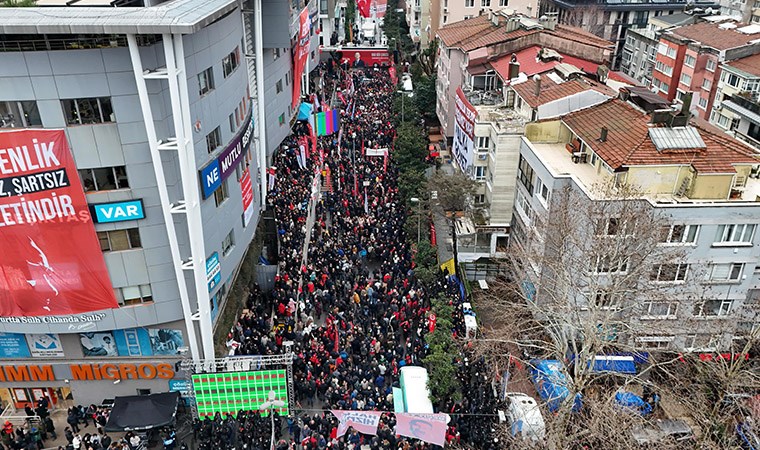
x: 104, y: 179
x: 134, y: 237
x: 121, y: 177
x: 105, y: 109
x: 119, y: 240
x: 130, y: 292
x: 104, y: 243
x: 88, y: 180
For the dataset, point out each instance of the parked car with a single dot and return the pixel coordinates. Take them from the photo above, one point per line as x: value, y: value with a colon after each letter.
x: 525, y: 417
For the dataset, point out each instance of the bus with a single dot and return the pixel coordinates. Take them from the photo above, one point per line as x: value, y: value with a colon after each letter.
x: 415, y: 391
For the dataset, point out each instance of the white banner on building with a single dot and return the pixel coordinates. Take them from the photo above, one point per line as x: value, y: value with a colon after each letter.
x: 464, y: 132
x: 44, y: 345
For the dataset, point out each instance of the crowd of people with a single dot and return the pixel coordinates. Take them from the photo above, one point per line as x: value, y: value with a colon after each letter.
x: 352, y: 308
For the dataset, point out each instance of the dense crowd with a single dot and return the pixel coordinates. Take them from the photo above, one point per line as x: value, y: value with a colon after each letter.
x: 353, y: 309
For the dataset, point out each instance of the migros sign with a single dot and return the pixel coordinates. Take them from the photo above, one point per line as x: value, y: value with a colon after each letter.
x: 89, y: 372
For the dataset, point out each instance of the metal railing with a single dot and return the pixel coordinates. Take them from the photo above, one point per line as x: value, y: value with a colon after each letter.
x: 39, y: 43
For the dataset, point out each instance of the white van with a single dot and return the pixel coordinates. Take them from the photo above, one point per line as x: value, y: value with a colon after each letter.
x: 525, y: 417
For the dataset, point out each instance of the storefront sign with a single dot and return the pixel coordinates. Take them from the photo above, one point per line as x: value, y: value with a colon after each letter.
x: 213, y: 271
x: 486, y: 229
x: 44, y: 345
x: 52, y: 263
x: 13, y: 345
x: 223, y: 166
x: 79, y: 318
x: 118, y: 212
x: 88, y: 372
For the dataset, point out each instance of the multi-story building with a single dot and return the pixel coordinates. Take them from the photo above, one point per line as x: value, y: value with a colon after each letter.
x: 640, y: 49
x: 736, y: 100
x: 610, y: 19
x: 452, y: 11
x: 161, y: 117
x: 697, y: 186
x: 488, y: 42
x: 689, y: 59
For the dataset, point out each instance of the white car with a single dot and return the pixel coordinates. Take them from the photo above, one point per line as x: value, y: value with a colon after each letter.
x: 525, y: 417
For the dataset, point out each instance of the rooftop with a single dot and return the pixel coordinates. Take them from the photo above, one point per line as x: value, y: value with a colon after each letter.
x: 720, y: 36
x: 629, y: 143
x: 173, y: 16
x: 551, y: 91
x: 480, y: 31
x: 749, y: 65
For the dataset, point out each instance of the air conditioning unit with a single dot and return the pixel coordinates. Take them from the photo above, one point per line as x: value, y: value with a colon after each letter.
x: 446, y: 9
x: 482, y: 156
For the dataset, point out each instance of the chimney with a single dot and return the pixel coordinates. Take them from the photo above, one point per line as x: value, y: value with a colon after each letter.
x: 548, y: 21
x: 513, y: 23
x: 537, y: 80
x: 686, y: 99
x: 603, y: 135
x: 514, y: 67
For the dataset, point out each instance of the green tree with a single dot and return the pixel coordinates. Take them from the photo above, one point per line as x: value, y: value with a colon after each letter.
x: 411, y: 148
x: 442, y: 352
x: 425, y: 97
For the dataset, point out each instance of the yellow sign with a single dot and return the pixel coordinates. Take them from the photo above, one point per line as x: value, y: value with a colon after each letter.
x: 450, y: 266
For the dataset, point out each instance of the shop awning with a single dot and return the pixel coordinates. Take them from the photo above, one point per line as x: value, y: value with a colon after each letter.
x: 143, y: 412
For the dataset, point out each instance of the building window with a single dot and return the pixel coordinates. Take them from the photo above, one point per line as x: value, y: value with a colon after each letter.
x: 731, y: 79
x: 726, y: 272
x: 710, y: 65
x: 228, y: 243
x: 608, y: 264
x: 702, y: 103
x: 281, y: 119
x: 469, y: 3
x: 686, y: 79
x: 205, y: 81
x: 654, y: 342
x: 690, y: 60
x: 233, y: 126
x: 19, y: 114
x: 525, y: 174
x: 671, y: 52
x: 669, y: 272
x: 679, y: 234
x: 613, y: 226
x: 287, y: 79
x: 664, y: 68
x: 606, y: 300
x: 118, y: 240
x: 665, y: 88
x: 484, y: 142
x: 662, y: 48
x: 220, y: 194
x: 87, y: 111
x: 134, y: 295
x: 542, y: 191
x: 485, y: 3
x: 523, y: 207
x: 731, y: 234
x: 480, y: 199
x: 713, y: 308
x: 231, y: 62
x: 275, y: 54
x: 278, y: 86
x: 706, y: 84
x: 480, y: 173
x: 445, y: 18
x: 660, y: 310
x: 503, y: 2
x: 104, y: 178
x: 213, y: 140
x: 705, y: 342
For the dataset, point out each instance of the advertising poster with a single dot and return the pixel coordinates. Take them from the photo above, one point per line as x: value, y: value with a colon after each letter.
x: 13, y: 345
x: 52, y: 263
x: 166, y: 341
x: 44, y: 345
x: 98, y: 344
x: 247, y: 189
x: 301, y: 53
x: 213, y: 271
x: 464, y: 131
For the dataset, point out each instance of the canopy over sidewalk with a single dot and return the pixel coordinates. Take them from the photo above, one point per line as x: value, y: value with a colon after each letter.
x: 143, y: 412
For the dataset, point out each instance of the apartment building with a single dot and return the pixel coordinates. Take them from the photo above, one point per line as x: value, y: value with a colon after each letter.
x: 699, y: 185
x: 452, y: 11
x: 640, y: 49
x: 736, y: 100
x: 689, y: 59
x: 611, y: 19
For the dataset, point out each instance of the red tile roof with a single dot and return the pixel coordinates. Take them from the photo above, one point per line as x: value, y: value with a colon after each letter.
x: 750, y: 64
x: 628, y: 142
x: 551, y: 91
x: 711, y: 35
x: 530, y: 65
x: 479, y: 32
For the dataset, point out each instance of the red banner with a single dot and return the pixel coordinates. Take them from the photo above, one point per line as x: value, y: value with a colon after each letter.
x: 363, y: 6
x: 52, y: 263
x: 301, y: 54
x: 425, y: 427
x: 247, y: 189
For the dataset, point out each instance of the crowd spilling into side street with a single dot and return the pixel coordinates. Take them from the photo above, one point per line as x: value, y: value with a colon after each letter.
x: 350, y: 308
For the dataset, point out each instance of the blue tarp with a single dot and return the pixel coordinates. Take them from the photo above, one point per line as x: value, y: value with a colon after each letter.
x: 551, y: 384
x: 618, y: 364
x: 632, y: 401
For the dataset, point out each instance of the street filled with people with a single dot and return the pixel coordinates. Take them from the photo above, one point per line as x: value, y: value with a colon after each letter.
x: 349, y: 307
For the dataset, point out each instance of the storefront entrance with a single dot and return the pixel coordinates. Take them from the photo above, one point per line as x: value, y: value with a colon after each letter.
x: 19, y: 397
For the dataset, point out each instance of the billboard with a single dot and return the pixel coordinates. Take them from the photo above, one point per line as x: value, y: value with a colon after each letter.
x: 44, y: 345
x: 13, y: 345
x: 52, y: 263
x: 221, y: 167
x: 300, y: 53
x: 464, y: 131
x: 118, y: 211
x: 367, y: 55
x: 246, y: 188
x: 231, y: 392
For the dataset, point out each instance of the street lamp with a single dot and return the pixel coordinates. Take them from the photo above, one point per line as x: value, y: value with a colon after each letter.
x: 419, y: 215
x: 404, y: 93
x: 270, y: 405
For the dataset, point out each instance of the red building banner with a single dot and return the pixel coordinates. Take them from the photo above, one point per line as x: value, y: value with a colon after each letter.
x: 247, y: 190
x: 51, y: 260
x: 301, y: 54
